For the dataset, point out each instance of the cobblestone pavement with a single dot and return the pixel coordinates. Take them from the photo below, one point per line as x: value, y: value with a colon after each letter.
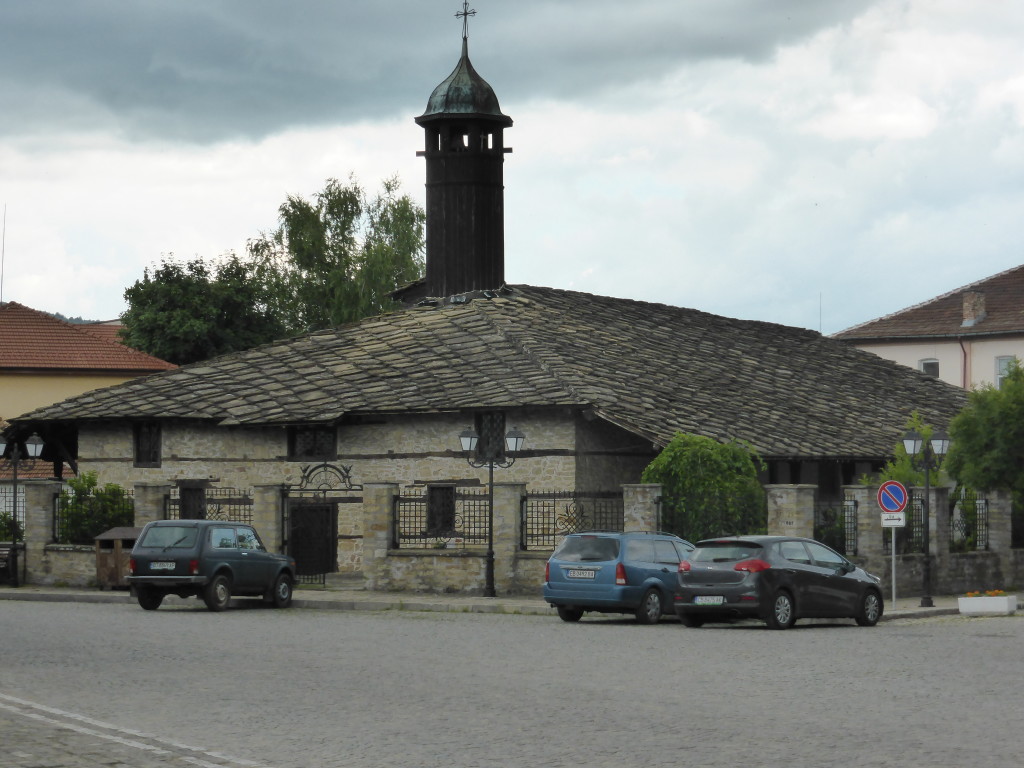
x: 110, y: 685
x: 37, y: 736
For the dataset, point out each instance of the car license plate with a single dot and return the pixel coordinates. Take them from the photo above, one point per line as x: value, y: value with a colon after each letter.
x: 708, y: 600
x: 580, y: 573
x: 161, y: 566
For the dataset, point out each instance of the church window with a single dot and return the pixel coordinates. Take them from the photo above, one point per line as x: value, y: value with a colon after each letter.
x: 440, y: 510
x: 146, y: 439
x: 312, y: 444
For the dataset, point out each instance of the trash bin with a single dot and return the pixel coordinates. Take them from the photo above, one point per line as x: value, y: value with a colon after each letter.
x: 113, y: 550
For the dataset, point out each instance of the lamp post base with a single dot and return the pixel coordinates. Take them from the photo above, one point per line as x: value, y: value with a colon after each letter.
x: 927, y: 602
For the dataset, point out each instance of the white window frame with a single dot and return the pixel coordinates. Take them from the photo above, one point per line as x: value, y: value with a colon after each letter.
x: 1002, y: 368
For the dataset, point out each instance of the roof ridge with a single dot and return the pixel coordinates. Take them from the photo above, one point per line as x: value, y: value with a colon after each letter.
x: 932, y: 300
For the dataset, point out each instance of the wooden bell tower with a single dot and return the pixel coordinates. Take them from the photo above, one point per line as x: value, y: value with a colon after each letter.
x: 465, y: 151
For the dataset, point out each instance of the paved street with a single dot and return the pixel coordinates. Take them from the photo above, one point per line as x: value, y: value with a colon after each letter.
x: 84, y: 686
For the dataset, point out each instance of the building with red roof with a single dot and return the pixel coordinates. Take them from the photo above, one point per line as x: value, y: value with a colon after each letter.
x: 967, y: 337
x: 44, y: 360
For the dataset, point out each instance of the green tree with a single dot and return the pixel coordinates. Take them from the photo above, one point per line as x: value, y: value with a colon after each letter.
x: 185, y: 312
x: 902, y: 467
x: 86, y: 510
x: 340, y: 255
x: 986, y: 439
x: 332, y: 260
x: 709, y: 488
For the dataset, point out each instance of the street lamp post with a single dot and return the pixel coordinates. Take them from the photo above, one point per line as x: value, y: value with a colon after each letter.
x: 33, y: 446
x: 492, y: 458
x: 931, y: 454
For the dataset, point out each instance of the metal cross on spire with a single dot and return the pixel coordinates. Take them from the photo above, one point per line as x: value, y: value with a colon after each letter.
x: 464, y: 14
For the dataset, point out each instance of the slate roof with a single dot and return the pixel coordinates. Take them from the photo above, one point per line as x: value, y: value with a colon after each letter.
x: 943, y: 316
x: 33, y: 340
x: 649, y: 368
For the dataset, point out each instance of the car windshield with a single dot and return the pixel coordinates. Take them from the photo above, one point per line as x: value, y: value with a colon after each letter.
x: 579, y: 549
x: 725, y: 551
x: 170, y: 536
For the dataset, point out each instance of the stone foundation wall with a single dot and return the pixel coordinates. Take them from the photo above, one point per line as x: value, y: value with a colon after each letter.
x: 65, y: 565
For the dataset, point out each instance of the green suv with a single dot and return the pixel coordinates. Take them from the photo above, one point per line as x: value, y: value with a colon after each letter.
x: 209, y: 559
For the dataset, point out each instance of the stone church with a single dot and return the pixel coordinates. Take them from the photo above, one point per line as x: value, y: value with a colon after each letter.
x: 343, y: 445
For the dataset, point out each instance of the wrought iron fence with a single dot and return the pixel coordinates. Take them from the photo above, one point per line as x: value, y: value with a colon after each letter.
x: 547, y: 516
x: 909, y: 538
x: 968, y: 522
x: 462, y: 525
x: 12, y: 515
x: 835, y: 524
x: 78, y: 518
x: 227, y: 504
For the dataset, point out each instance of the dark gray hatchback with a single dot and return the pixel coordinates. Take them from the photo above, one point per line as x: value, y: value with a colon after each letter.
x: 209, y: 559
x: 777, y: 579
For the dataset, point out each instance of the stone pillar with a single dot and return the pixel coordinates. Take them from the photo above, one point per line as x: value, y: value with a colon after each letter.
x: 641, y: 507
x: 378, y: 502
x: 266, y: 515
x: 508, y: 501
x: 1000, y: 524
x: 39, y: 511
x: 791, y: 510
x: 150, y: 502
x: 870, y: 535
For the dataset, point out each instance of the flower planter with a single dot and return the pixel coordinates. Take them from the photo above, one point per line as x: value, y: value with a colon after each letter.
x: 987, y: 605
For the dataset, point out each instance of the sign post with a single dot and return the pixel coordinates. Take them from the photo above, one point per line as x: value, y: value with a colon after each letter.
x: 892, y: 500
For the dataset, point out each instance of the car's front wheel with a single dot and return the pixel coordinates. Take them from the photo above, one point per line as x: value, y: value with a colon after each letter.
x: 649, y: 611
x: 281, y: 593
x: 870, y: 609
x: 217, y: 594
x: 569, y: 614
x: 782, y: 614
x: 149, y: 598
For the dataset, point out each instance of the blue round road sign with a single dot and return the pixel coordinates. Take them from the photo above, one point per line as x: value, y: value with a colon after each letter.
x: 892, y: 496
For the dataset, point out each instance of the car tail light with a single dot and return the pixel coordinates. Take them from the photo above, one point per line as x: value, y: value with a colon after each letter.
x: 620, y: 574
x: 193, y: 567
x: 547, y: 572
x: 684, y: 566
x: 131, y: 566
x: 752, y: 566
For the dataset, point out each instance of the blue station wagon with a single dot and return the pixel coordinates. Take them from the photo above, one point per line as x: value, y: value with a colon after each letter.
x: 611, y: 572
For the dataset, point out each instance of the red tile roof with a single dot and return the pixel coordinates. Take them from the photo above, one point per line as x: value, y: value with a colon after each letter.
x: 34, y: 340
x: 993, y: 306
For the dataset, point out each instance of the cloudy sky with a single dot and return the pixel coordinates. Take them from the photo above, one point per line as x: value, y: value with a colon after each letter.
x: 816, y: 163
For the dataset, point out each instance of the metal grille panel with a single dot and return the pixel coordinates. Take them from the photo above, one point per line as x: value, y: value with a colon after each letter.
x: 836, y: 525
x: 968, y: 523
x: 412, y: 521
x: 547, y: 516
x: 227, y: 504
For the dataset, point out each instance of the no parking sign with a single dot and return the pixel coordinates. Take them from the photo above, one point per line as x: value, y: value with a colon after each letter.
x: 892, y: 500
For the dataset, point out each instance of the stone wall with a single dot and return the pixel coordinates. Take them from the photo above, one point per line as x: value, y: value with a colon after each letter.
x: 791, y: 512
x: 563, y: 451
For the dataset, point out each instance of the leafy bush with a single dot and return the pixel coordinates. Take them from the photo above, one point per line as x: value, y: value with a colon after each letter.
x: 86, y: 510
x: 10, y: 530
x: 709, y: 488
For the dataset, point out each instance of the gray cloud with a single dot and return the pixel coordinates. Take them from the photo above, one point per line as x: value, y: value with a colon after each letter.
x: 202, y: 71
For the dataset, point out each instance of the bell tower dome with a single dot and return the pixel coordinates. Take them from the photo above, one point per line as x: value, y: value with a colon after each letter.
x: 465, y: 192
